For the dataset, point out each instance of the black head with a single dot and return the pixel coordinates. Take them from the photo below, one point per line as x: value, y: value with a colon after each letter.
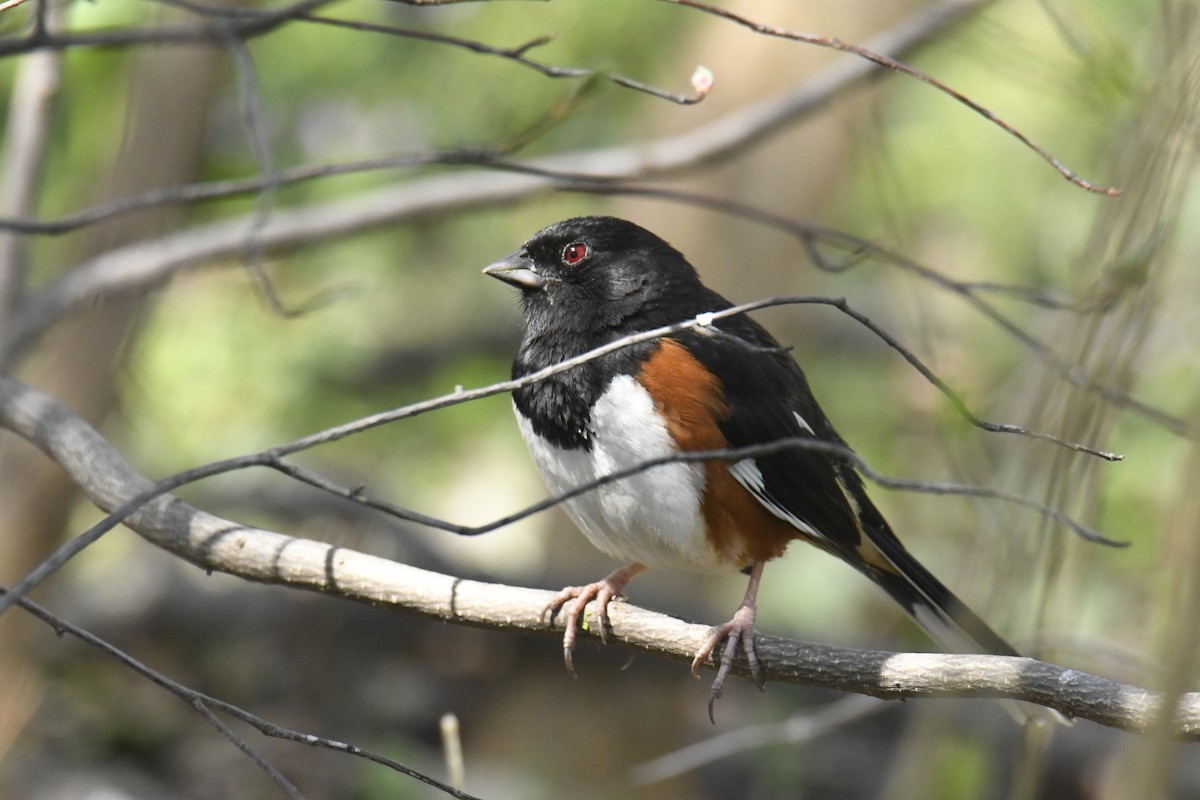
x: 601, y: 275
x: 585, y: 282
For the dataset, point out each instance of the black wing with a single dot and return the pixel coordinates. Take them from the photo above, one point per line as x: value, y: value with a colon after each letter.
x: 819, y: 492
x: 769, y: 400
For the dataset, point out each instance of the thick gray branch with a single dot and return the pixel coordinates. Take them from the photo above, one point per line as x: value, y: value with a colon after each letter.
x: 261, y: 555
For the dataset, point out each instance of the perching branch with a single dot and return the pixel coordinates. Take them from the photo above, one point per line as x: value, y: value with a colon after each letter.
x: 276, y: 558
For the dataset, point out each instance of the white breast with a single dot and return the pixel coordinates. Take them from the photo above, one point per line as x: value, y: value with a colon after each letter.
x: 652, y: 517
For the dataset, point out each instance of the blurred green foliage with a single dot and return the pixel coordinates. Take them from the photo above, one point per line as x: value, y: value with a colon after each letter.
x: 403, y: 315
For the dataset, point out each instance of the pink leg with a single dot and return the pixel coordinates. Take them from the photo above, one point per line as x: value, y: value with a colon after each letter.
x: 602, y: 591
x: 738, y: 629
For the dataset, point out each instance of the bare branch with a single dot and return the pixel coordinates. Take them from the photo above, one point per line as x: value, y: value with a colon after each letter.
x: 241, y: 23
x: 26, y: 139
x: 204, y: 704
x: 146, y: 263
x: 138, y: 265
x: 208, y: 33
x: 518, y: 55
x: 890, y: 63
x: 728, y: 136
x: 358, y: 494
x: 803, y: 727
x: 270, y: 557
x: 201, y: 707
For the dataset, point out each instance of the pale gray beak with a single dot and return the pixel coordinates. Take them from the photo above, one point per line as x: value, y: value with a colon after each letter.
x: 518, y: 270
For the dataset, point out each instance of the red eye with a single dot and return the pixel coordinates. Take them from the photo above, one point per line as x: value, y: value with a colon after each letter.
x: 574, y: 253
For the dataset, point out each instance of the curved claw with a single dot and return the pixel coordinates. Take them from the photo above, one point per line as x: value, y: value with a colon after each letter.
x: 718, y: 687
x: 740, y: 628
x: 568, y: 650
x: 603, y: 592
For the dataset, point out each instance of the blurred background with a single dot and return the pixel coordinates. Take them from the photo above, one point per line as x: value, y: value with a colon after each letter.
x: 1044, y: 305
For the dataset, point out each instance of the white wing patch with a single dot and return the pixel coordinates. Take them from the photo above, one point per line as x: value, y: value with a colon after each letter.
x: 747, y: 473
x: 803, y: 423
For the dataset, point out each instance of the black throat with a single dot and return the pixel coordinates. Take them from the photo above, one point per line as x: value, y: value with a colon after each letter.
x: 559, y: 407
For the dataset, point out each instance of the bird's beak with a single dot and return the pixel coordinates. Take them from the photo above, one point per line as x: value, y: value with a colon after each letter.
x: 517, y: 270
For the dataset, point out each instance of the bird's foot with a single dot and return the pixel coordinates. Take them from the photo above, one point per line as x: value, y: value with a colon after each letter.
x: 575, y: 600
x: 739, y: 629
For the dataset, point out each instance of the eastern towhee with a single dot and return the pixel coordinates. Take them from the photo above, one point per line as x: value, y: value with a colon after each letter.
x: 589, y: 281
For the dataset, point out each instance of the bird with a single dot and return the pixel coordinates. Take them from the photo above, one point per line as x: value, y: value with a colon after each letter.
x: 725, y: 385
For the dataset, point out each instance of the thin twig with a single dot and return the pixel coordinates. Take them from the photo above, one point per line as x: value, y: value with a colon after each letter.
x: 899, y: 66
x: 517, y: 55
x: 209, y: 33
x: 254, y: 125
x: 154, y: 261
x: 204, y: 704
x: 26, y: 141
x: 797, y: 729
x: 201, y: 708
x: 244, y: 23
x: 731, y: 134
x: 358, y: 494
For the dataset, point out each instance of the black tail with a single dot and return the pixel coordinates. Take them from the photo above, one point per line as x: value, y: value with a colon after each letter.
x: 958, y: 629
x: 944, y: 617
